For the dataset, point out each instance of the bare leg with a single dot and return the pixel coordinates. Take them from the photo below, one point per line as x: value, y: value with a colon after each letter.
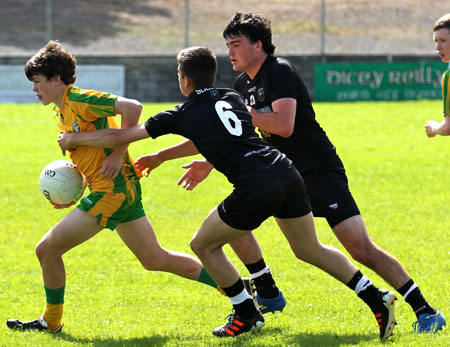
x: 72, y: 230
x: 140, y: 238
x: 303, y: 240
x: 301, y: 234
x: 207, y: 244
x: 247, y: 249
x: 353, y: 235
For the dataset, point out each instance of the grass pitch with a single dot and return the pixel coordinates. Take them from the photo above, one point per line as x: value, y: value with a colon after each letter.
x: 398, y: 176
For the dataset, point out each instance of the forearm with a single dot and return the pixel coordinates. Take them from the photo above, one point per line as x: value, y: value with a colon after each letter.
x: 119, y: 152
x: 280, y: 121
x: 180, y: 150
x: 271, y: 122
x: 128, y: 120
x: 105, y: 138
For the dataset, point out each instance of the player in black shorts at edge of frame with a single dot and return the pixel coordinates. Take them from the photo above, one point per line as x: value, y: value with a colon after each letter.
x: 217, y: 124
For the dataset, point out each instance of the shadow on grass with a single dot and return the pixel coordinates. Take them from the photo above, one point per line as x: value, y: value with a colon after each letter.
x: 302, y: 339
x: 329, y: 340
x: 284, y: 338
x: 154, y: 340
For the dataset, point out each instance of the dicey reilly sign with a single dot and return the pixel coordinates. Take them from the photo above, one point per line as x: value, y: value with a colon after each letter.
x: 378, y: 81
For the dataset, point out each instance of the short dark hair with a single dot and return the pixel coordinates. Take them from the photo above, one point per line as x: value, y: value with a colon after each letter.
x: 50, y: 61
x: 443, y: 22
x: 199, y: 64
x: 254, y: 27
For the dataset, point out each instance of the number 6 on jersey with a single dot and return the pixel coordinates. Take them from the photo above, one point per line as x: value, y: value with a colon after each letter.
x: 229, y: 119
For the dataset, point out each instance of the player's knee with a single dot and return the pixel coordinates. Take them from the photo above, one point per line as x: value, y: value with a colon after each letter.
x: 194, y: 244
x: 41, y: 249
x: 202, y: 246
x: 310, y: 254
x: 197, y: 246
x: 155, y: 262
x: 153, y: 265
x: 362, y: 255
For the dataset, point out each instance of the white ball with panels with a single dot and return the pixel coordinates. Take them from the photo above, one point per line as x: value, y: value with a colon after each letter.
x: 61, y: 182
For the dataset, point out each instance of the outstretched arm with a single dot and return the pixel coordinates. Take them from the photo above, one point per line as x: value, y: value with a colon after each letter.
x: 106, y: 138
x: 149, y: 162
x: 130, y: 111
x: 433, y: 128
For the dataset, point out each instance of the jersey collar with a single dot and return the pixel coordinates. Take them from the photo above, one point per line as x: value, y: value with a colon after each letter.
x: 268, y: 61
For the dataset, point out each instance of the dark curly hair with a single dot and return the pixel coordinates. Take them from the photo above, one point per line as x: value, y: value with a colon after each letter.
x: 51, y: 61
x: 254, y: 27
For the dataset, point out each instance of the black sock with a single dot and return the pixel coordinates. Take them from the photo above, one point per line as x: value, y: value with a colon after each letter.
x: 265, y: 284
x: 355, y: 279
x: 256, y: 267
x: 245, y: 309
x: 368, y: 292
x: 415, y: 298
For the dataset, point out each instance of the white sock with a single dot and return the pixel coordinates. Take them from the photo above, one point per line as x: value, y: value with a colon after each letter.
x: 414, y: 286
x: 260, y: 273
x: 241, y: 297
x: 362, y: 284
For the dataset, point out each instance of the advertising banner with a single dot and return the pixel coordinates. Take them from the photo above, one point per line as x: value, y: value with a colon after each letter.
x: 378, y: 81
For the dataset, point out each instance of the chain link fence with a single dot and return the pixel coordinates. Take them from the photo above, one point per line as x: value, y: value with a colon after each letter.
x: 163, y: 27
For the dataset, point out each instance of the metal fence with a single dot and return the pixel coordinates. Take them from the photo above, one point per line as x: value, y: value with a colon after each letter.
x: 155, y: 27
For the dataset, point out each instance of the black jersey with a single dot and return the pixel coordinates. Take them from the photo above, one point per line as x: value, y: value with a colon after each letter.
x: 308, y: 146
x: 219, y: 124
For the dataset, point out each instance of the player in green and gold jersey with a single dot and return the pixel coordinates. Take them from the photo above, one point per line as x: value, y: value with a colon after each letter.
x: 441, y: 30
x: 114, y: 201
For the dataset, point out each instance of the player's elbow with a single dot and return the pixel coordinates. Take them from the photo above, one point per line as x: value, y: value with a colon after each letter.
x: 131, y: 117
x: 139, y: 106
x: 286, y: 132
x: 124, y: 105
x: 286, y: 127
x: 136, y: 108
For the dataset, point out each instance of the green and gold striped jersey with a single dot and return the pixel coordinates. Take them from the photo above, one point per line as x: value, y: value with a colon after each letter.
x: 90, y: 110
x: 446, y: 91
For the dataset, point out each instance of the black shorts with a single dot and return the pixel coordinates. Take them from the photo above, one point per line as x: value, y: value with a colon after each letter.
x: 283, y: 196
x: 329, y: 193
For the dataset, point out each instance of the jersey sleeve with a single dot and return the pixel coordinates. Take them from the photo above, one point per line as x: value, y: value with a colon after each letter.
x: 282, y: 82
x: 446, y: 92
x: 162, y: 123
x: 90, y: 105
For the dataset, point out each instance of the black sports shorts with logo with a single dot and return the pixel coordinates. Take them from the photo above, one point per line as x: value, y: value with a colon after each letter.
x: 283, y: 196
x: 329, y: 193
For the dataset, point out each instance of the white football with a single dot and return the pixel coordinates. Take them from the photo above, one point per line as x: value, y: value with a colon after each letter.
x: 61, y: 182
